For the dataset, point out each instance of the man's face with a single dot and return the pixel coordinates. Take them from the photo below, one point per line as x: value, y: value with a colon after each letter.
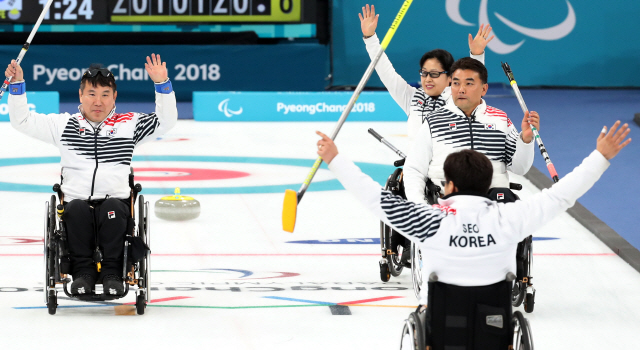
x: 97, y: 101
x: 434, y: 86
x: 467, y: 89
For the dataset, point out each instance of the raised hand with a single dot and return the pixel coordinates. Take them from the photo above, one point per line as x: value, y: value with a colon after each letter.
x: 530, y: 118
x: 326, y: 148
x: 14, y: 70
x: 368, y: 20
x: 610, y: 143
x: 477, y: 44
x: 156, y: 69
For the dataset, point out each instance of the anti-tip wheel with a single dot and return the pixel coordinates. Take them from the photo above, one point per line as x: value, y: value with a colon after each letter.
x: 141, y: 304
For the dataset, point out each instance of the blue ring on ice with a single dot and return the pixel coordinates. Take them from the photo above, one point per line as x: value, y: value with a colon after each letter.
x: 378, y: 172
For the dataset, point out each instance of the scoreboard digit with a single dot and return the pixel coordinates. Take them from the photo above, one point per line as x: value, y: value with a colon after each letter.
x: 249, y: 11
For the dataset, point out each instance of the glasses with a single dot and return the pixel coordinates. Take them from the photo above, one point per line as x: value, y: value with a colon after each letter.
x: 424, y: 73
x: 94, y: 71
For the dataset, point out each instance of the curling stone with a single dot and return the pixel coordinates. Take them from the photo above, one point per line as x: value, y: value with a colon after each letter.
x: 177, y: 207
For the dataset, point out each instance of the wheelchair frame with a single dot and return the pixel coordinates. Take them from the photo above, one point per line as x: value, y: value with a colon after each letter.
x: 415, y: 328
x: 55, y: 252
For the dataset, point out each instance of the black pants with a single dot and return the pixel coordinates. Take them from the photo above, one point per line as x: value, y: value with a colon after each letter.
x: 107, y: 221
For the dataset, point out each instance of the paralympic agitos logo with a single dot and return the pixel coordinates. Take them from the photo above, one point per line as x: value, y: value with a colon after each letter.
x: 556, y: 32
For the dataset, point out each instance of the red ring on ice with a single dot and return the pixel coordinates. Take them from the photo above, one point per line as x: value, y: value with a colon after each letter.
x: 186, y: 174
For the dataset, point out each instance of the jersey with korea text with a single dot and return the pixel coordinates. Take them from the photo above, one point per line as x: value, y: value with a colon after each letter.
x: 469, y: 240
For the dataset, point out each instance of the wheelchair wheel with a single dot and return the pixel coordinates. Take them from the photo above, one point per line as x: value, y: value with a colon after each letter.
x: 50, y: 255
x: 522, y: 339
x: 395, y: 260
x: 52, y: 302
x: 529, y: 302
x: 416, y: 269
x: 412, y: 334
x: 141, y: 303
x: 517, y: 293
x: 384, y: 271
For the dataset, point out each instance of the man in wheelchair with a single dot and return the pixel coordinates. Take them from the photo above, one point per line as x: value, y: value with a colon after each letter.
x: 469, y: 239
x: 96, y: 146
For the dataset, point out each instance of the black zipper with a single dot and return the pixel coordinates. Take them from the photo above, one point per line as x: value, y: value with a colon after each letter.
x: 471, y: 132
x: 95, y: 154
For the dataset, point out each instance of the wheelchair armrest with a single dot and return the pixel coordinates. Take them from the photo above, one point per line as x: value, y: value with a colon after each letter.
x: 515, y: 186
x: 398, y: 163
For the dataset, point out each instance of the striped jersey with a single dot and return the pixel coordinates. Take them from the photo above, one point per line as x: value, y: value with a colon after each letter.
x: 415, y: 102
x: 447, y: 130
x: 96, y: 160
x: 468, y: 240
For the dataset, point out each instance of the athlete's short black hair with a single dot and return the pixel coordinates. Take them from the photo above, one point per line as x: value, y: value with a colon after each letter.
x: 96, y: 75
x: 443, y: 56
x: 469, y: 170
x: 471, y: 64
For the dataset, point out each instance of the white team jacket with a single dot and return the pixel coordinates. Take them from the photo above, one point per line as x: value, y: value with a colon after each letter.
x: 95, y: 162
x: 447, y: 130
x: 469, y: 240
x: 413, y: 101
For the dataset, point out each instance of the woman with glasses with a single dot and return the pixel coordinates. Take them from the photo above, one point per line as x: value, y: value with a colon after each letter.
x: 435, y: 77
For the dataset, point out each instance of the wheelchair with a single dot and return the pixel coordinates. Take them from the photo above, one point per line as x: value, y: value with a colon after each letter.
x: 523, y: 291
x: 397, y: 251
x: 467, y: 318
x: 135, y: 260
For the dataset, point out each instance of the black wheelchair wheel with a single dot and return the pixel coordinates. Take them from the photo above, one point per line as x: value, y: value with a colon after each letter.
x: 50, y: 248
x: 384, y: 272
x: 141, y: 303
x: 416, y: 269
x: 522, y: 339
x: 52, y: 302
x: 517, y: 293
x: 142, y: 232
x: 529, y: 302
x: 413, y: 333
x: 395, y: 260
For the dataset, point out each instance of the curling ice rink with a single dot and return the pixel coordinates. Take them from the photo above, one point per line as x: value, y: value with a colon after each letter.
x: 232, y: 279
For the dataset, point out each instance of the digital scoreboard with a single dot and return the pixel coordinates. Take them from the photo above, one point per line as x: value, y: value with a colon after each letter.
x: 158, y: 11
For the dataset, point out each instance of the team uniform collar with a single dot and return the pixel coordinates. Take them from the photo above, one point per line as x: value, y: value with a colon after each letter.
x: 469, y: 198
x: 480, y: 110
x: 113, y: 111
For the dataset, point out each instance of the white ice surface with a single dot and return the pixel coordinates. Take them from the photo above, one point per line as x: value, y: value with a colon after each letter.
x: 583, y: 300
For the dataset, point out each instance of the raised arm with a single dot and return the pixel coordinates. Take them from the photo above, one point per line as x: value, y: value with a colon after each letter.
x: 527, y: 215
x: 478, y: 43
x: 44, y: 127
x: 417, y: 222
x: 401, y: 92
x: 166, y: 115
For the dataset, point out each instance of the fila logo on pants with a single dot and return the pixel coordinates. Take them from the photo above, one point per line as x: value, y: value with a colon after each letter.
x: 111, y: 214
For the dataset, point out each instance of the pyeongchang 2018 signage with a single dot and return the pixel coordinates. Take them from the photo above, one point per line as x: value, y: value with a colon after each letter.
x: 38, y: 101
x: 293, y: 106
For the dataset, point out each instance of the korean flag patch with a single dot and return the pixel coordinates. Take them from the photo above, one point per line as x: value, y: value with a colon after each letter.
x: 489, y: 126
x: 111, y: 214
x: 500, y: 196
x: 452, y: 126
x: 112, y: 132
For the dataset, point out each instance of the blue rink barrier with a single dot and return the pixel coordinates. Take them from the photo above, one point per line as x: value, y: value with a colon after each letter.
x: 38, y: 101
x: 293, y: 106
